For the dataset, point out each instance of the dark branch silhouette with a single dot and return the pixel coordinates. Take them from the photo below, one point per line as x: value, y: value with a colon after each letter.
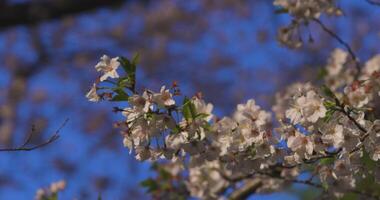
x: 36, y: 12
x: 375, y: 3
x: 342, y: 42
x: 24, y: 146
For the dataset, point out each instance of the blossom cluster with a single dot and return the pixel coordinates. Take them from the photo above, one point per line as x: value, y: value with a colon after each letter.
x: 51, y: 192
x: 330, y: 126
x: 328, y: 130
x: 308, y: 9
x: 302, y: 12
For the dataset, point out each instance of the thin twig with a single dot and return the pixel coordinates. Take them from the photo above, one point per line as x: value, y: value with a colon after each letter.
x: 248, y: 189
x: 375, y: 3
x: 317, y: 185
x: 23, y: 147
x: 345, y: 44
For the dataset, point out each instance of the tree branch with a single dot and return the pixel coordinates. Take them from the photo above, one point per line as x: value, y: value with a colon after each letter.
x: 36, y: 12
x: 375, y: 3
x: 248, y: 189
x: 24, y: 147
x: 342, y: 42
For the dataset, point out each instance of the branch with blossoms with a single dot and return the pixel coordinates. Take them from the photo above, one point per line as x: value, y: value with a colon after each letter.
x: 327, y: 130
x: 324, y: 129
x: 372, y: 2
x: 304, y: 12
x: 51, y: 192
x: 345, y: 44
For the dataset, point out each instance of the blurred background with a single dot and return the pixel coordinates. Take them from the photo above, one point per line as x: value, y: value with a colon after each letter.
x: 226, y: 49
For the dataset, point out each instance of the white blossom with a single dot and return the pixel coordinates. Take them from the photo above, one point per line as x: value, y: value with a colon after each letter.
x: 301, y: 144
x: 108, y: 67
x: 357, y: 95
x: 308, y: 107
x: 163, y: 98
x: 336, y: 61
x: 205, y: 180
x: 92, y: 95
x: 251, y: 111
x: 372, y: 142
x: 52, y: 190
x: 203, y: 108
x: 308, y: 9
x: 334, y: 136
x: 371, y: 66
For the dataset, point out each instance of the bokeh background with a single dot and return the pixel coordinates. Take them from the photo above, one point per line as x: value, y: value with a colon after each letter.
x: 226, y: 49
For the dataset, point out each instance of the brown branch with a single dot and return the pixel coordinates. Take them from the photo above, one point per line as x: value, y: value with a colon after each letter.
x: 35, y: 12
x: 251, y: 188
x: 248, y: 189
x: 24, y: 147
x: 342, y: 42
x: 375, y: 3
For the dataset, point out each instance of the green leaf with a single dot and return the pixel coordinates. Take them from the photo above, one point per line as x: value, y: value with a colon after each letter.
x: 99, y: 196
x: 124, y: 82
x: 327, y: 161
x: 329, y: 104
x: 325, y: 186
x: 207, y: 127
x: 54, y: 196
x: 188, y: 110
x: 120, y: 95
x: 368, y: 162
x: 150, y: 184
x: 329, y: 115
x: 349, y: 196
x: 154, y: 166
x: 327, y: 91
x: 176, y: 129
x: 136, y: 59
x: 130, y: 68
x: 201, y: 116
x: 193, y: 110
x: 281, y: 11
x: 322, y: 72
x: 165, y: 174
x: 126, y: 64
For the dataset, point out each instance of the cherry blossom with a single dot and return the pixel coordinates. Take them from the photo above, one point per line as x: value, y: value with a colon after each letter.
x: 92, y: 95
x: 326, y: 129
x: 108, y: 67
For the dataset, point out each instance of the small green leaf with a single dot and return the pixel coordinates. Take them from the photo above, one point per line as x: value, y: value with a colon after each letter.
x: 349, y: 196
x: 176, y: 129
x: 54, y: 196
x: 329, y: 115
x: 188, y: 110
x: 325, y: 186
x: 136, y: 59
x: 281, y: 11
x: 327, y: 91
x: 207, y: 127
x: 201, y: 115
x: 120, y: 95
x: 130, y: 68
x: 327, y: 161
x: 165, y: 174
x: 193, y: 110
x: 322, y: 72
x: 150, y: 184
x: 329, y: 104
x: 368, y: 162
x: 124, y: 82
